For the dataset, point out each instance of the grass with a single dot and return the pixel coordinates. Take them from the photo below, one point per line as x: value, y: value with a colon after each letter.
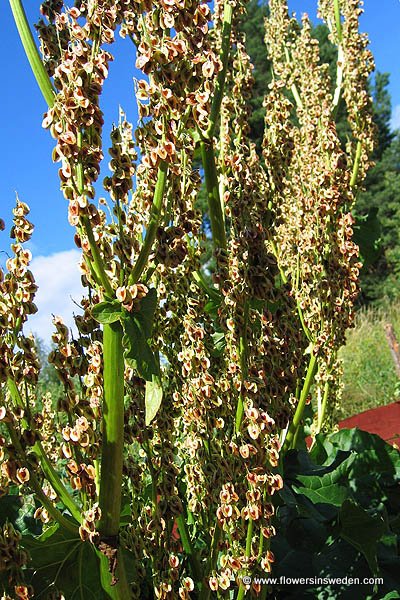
x: 370, y: 378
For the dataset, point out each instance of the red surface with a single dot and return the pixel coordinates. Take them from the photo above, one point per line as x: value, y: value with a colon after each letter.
x: 384, y: 421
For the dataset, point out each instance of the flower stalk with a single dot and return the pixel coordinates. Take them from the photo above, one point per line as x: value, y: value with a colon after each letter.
x: 31, y: 51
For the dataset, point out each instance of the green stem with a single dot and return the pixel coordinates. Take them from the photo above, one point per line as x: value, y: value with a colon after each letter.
x: 337, y: 19
x: 249, y: 539
x: 321, y: 415
x: 48, y: 469
x: 32, y: 52
x: 211, y: 562
x: 98, y: 262
x: 311, y: 371
x: 112, y: 455
x: 188, y: 547
x: 199, y: 278
x: 151, y: 230
x: 35, y: 485
x: 339, y: 81
x: 243, y: 351
x: 214, y: 201
x: 356, y: 166
x: 112, y: 431
x: 224, y: 56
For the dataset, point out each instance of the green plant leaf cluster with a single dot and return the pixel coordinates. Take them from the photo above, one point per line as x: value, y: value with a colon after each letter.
x: 337, y: 516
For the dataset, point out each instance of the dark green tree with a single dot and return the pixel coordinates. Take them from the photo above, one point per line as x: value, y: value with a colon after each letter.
x: 381, y: 279
x: 253, y: 27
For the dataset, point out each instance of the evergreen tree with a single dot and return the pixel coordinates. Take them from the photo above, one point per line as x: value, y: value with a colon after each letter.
x: 253, y: 28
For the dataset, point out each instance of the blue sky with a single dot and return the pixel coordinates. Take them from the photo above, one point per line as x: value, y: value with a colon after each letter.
x: 25, y: 149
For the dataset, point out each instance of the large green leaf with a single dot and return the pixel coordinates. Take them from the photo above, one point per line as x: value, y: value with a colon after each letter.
x: 140, y: 357
x: 327, y: 488
x: 362, y: 530
x: 145, y: 315
x: 107, y: 312
x: 62, y: 562
x: 138, y: 353
x: 19, y: 511
x: 153, y: 398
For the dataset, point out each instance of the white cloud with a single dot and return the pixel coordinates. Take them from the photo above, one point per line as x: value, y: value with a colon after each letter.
x: 59, y: 282
x: 395, y: 120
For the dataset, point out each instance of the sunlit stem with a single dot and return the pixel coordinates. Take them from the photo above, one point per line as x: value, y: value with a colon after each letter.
x: 214, y: 201
x: 188, y: 547
x: 51, y: 475
x: 298, y: 415
x: 322, y: 411
x: 35, y: 485
x: 224, y: 56
x: 249, y: 538
x: 113, y: 428
x: 356, y: 166
x: 112, y: 453
x: 32, y: 52
x: 338, y: 21
x: 243, y: 352
x: 151, y: 230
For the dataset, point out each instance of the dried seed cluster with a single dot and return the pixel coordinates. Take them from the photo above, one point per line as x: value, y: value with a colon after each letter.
x: 233, y: 347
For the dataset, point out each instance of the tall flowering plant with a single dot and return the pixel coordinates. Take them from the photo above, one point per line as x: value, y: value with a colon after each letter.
x: 157, y: 469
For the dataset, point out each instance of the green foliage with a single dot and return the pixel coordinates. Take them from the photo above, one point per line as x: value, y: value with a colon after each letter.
x: 253, y: 28
x: 348, y: 530
x: 369, y: 374
x: 382, y: 278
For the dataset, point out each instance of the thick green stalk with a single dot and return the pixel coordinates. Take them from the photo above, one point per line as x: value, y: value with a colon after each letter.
x: 113, y: 430
x: 32, y: 52
x: 112, y: 452
x: 48, y: 470
x: 214, y: 201
x: 151, y: 229
x: 220, y: 84
x: 311, y: 371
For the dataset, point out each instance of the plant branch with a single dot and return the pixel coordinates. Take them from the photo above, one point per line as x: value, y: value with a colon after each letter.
x: 214, y: 201
x: 188, y: 547
x: 151, y: 230
x: 48, y: 469
x: 249, y: 538
x: 322, y: 411
x: 32, y: 52
x: 243, y: 352
x: 356, y: 166
x: 35, y: 485
x: 298, y: 415
x: 224, y: 56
